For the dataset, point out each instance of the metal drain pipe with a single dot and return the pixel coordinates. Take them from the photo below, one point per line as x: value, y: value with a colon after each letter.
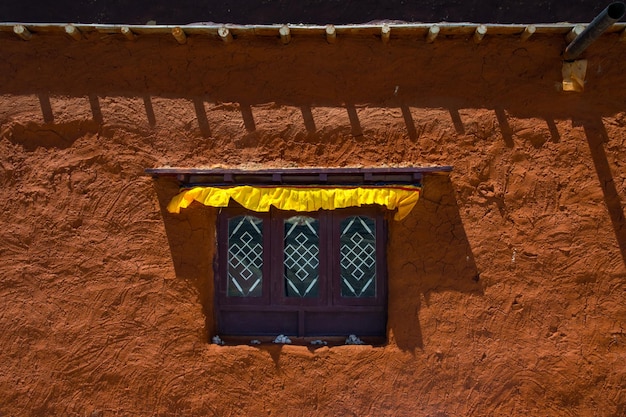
x: 597, y: 27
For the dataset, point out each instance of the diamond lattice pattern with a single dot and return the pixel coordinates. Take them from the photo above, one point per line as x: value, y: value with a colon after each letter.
x: 358, y: 257
x: 245, y: 256
x: 301, y: 261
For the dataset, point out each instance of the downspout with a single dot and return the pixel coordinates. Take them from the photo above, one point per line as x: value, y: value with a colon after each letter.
x: 597, y: 27
x: 574, y: 69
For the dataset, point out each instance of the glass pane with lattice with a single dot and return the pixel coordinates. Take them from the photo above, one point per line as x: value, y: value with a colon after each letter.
x: 245, y: 256
x: 301, y: 260
x: 358, y: 257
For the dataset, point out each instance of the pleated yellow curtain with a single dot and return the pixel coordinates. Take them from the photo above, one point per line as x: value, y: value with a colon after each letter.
x: 260, y: 199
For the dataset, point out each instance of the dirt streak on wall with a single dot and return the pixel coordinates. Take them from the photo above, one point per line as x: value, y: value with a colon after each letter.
x: 506, y: 283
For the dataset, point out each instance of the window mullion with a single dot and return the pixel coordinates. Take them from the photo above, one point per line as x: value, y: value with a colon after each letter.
x: 381, y: 259
x: 267, y: 261
x: 331, y: 257
x: 275, y: 253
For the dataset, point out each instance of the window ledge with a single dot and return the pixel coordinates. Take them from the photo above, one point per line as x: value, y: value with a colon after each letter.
x: 330, y: 341
x: 294, y: 176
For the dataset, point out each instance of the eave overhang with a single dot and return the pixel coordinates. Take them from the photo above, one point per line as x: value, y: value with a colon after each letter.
x: 384, y: 31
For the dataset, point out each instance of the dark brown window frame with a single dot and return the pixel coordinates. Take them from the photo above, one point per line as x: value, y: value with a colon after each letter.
x: 249, y: 316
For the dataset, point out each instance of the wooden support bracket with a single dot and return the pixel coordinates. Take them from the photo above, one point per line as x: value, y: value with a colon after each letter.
x: 225, y: 34
x: 576, y: 30
x: 125, y: 30
x: 528, y: 32
x: 73, y: 32
x: 331, y: 34
x: 432, y: 34
x: 179, y: 35
x: 385, y: 33
x: 480, y: 33
x: 22, y: 32
x: 574, y: 75
x: 285, y: 34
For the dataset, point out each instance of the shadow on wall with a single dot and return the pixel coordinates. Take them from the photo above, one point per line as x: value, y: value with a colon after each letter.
x: 77, y: 128
x: 277, y: 76
x: 596, y: 138
x: 400, y: 81
x: 191, y: 236
x: 427, y: 252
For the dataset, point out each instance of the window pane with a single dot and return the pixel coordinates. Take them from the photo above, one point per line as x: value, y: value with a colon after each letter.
x: 245, y: 256
x: 301, y: 262
x: 358, y: 257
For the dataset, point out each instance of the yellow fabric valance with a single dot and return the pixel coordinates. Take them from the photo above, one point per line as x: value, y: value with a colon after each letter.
x: 260, y: 199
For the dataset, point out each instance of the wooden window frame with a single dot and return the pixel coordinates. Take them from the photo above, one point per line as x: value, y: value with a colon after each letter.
x: 241, y: 316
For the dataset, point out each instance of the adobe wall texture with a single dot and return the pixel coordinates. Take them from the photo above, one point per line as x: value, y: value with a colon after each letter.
x: 506, y: 283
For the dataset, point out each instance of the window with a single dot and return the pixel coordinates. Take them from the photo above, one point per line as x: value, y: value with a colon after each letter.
x: 301, y: 273
x: 319, y: 270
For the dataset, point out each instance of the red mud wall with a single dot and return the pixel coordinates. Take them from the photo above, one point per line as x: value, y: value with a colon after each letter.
x: 506, y: 283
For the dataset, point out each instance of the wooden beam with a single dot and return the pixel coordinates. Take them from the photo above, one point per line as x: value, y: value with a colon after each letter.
x: 528, y: 32
x: 285, y: 34
x: 574, y: 73
x: 480, y: 33
x: 385, y: 33
x: 372, y: 31
x: 432, y: 34
x: 331, y: 34
x: 576, y: 30
x: 22, y: 32
x: 225, y: 34
x: 622, y: 36
x: 125, y: 30
x: 73, y: 32
x: 179, y: 35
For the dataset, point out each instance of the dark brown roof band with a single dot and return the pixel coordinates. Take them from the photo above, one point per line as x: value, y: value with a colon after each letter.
x: 188, y: 177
